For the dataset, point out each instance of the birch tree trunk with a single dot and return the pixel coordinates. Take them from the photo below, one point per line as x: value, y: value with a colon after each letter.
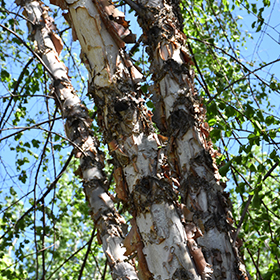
x: 157, y: 233
x: 110, y: 225
x: 180, y: 115
x: 166, y: 234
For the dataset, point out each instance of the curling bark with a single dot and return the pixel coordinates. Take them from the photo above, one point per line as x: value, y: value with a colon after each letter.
x: 111, y: 227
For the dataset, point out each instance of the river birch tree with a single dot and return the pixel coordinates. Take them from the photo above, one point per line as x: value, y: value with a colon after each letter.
x: 164, y: 162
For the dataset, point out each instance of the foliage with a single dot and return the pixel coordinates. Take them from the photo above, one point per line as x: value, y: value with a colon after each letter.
x: 44, y: 219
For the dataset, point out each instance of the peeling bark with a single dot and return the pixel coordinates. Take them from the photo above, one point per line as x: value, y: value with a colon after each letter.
x: 136, y: 149
x: 180, y: 115
x: 110, y: 225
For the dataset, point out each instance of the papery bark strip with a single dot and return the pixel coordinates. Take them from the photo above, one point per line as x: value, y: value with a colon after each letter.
x: 110, y: 225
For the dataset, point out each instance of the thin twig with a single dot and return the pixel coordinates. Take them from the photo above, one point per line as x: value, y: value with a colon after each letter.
x: 256, y: 266
x: 17, y: 14
x: 236, y: 60
x: 33, y: 52
x: 35, y: 198
x: 15, y: 202
x: 86, y: 255
x: 25, y: 128
x: 134, y: 6
x: 52, y: 185
x: 43, y: 239
x: 67, y: 260
x: 198, y: 70
x: 18, y: 95
x: 15, y: 90
x: 105, y: 270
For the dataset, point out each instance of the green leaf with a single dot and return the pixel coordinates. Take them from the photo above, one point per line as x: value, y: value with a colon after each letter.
x: 35, y: 143
x: 212, y: 122
x: 5, y: 75
x: 150, y: 104
x: 224, y: 169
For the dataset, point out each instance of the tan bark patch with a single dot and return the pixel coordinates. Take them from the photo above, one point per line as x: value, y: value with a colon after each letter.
x: 115, y: 23
x: 121, y: 188
x: 57, y: 43
x: 59, y: 3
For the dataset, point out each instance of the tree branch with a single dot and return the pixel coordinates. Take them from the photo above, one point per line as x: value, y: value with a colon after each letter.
x: 86, y: 255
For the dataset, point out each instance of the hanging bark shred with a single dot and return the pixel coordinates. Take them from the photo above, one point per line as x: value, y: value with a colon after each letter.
x: 115, y: 23
x: 133, y: 243
x: 110, y: 225
x: 121, y: 187
x: 181, y: 117
x: 135, y: 147
x: 204, y: 269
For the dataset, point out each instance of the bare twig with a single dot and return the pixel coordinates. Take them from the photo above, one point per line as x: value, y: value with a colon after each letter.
x: 32, y: 51
x: 15, y: 90
x: 86, y: 255
x: 26, y: 128
x: 69, y: 258
x: 52, y: 185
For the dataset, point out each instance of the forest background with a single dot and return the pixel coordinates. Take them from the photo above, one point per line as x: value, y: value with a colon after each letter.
x: 235, y: 46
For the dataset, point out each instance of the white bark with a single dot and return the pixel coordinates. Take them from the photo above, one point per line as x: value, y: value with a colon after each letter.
x: 109, y: 223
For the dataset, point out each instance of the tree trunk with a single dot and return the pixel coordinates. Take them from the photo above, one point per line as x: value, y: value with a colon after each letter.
x: 137, y: 150
x: 180, y: 115
x: 110, y: 225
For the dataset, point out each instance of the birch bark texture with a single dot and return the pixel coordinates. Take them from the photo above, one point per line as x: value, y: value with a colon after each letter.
x: 173, y: 240
x: 111, y: 227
